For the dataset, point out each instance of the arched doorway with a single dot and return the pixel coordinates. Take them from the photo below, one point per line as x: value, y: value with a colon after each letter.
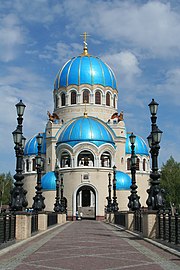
x: 86, y: 202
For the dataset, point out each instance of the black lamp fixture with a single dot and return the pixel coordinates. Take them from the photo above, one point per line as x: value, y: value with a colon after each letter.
x: 57, y: 205
x: 18, y: 200
x: 62, y: 200
x: 115, y: 207
x: 155, y: 199
x: 38, y: 204
x: 134, y: 203
x: 109, y: 199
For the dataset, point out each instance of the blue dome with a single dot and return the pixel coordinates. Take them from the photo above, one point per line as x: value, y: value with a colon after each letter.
x: 85, y: 70
x: 84, y: 129
x: 123, y: 181
x: 140, y: 146
x: 48, y: 181
x: 31, y: 146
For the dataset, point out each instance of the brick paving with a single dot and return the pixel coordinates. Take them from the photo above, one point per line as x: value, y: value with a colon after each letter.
x: 87, y: 245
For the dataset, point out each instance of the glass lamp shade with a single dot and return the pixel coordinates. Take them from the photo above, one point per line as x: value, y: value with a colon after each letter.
x: 132, y: 138
x: 153, y: 106
x: 17, y: 136
x: 42, y: 162
x: 23, y: 141
x: 157, y: 134
x: 149, y: 138
x: 38, y: 160
x: 133, y: 159
x: 20, y: 107
x: 39, y: 138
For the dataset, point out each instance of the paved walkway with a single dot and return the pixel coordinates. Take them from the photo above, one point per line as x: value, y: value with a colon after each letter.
x: 87, y: 245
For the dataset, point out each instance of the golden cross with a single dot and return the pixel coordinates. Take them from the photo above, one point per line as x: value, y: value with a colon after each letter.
x: 85, y: 35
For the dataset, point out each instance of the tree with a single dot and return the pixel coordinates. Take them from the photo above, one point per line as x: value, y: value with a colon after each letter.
x: 6, y: 184
x: 170, y: 181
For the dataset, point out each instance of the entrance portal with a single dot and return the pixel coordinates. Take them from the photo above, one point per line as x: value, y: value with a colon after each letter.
x: 86, y: 202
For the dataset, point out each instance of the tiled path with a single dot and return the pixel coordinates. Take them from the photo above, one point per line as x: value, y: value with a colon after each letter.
x: 87, y: 245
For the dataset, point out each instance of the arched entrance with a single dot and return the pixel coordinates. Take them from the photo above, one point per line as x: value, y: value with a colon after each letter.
x: 86, y: 202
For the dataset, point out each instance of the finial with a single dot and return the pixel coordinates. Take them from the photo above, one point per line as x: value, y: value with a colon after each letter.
x: 85, y: 35
x: 85, y: 112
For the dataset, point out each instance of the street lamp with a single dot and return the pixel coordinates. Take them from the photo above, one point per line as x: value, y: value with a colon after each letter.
x: 115, y: 207
x: 109, y: 205
x: 18, y: 200
x: 155, y: 199
x: 57, y: 205
x: 134, y: 203
x: 38, y: 204
x: 62, y: 200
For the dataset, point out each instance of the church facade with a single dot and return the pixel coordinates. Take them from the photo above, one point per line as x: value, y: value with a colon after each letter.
x: 86, y: 136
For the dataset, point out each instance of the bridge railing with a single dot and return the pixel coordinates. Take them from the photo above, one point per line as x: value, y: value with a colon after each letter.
x: 162, y: 225
x: 169, y: 226
x: 7, y: 227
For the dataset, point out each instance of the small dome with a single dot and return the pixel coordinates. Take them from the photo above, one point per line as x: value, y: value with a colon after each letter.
x: 85, y: 69
x: 48, y: 181
x: 140, y: 146
x: 123, y: 181
x: 31, y: 146
x: 86, y: 129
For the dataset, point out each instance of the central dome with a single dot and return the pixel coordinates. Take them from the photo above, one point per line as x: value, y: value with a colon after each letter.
x: 85, y: 69
x: 84, y: 129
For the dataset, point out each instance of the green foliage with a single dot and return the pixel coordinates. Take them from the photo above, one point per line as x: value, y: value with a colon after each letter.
x: 6, y: 184
x: 170, y: 181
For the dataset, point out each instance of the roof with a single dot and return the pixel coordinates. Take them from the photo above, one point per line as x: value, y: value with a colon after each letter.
x: 85, y: 69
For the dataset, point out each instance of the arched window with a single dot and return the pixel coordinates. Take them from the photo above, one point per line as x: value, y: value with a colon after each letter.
x: 97, y: 97
x: 63, y: 99
x: 65, y: 160
x: 137, y: 164
x: 27, y: 165
x: 105, y: 160
x: 56, y: 101
x: 108, y: 99
x: 86, y: 96
x: 128, y: 164
x: 144, y: 164
x: 73, y: 97
x: 34, y: 164
x: 114, y: 101
x: 85, y: 158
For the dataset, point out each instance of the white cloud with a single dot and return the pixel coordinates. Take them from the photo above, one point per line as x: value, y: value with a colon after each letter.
x: 169, y: 89
x: 12, y: 36
x: 153, y: 26
x: 41, y: 11
x: 61, y: 52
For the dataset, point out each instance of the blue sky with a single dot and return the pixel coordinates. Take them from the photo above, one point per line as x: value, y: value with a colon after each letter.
x: 140, y: 40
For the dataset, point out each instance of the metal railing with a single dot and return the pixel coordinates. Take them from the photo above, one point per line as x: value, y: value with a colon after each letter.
x: 169, y: 226
x: 34, y: 223
x: 120, y: 218
x: 52, y: 219
x: 7, y: 227
x: 138, y: 226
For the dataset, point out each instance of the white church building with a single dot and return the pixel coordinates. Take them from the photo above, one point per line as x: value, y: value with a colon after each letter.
x: 86, y: 136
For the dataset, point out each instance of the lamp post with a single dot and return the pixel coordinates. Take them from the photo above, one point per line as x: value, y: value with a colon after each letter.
x: 134, y: 203
x: 38, y: 204
x: 62, y: 204
x: 155, y: 199
x: 18, y: 200
x: 115, y: 207
x: 109, y: 205
x: 57, y: 205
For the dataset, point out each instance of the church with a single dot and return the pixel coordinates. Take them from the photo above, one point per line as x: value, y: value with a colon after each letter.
x: 85, y: 137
